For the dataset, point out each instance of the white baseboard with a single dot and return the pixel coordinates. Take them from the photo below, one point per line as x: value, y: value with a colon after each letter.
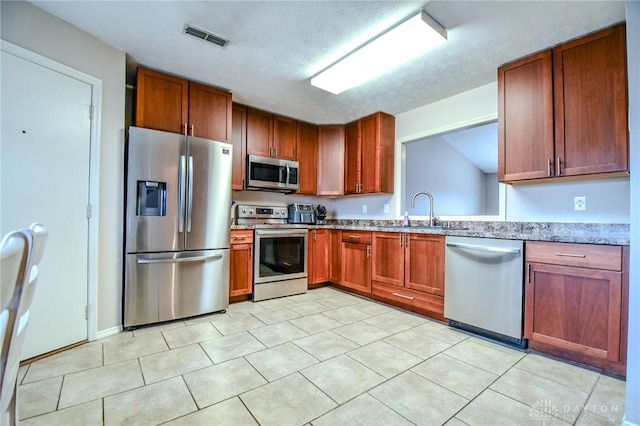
x: 109, y: 332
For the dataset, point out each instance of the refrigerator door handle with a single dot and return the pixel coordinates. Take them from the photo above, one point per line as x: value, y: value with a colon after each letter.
x: 142, y: 260
x: 189, y: 192
x: 181, y: 192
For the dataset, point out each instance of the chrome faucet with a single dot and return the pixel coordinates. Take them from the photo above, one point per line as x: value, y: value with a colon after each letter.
x: 413, y: 204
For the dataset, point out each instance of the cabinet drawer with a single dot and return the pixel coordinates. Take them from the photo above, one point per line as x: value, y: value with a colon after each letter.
x: 419, y: 299
x: 362, y: 237
x: 581, y: 255
x: 244, y: 236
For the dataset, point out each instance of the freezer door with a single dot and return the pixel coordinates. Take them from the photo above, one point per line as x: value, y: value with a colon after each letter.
x: 156, y: 175
x: 167, y: 286
x: 208, y: 194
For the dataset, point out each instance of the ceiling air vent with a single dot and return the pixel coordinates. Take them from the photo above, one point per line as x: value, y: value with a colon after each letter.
x: 206, y: 35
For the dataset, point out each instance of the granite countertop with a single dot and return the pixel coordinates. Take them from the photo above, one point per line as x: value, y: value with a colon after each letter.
x: 587, y: 233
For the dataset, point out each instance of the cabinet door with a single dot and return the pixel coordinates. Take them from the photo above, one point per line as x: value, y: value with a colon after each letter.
x: 525, y: 119
x: 209, y: 113
x: 284, y: 138
x: 331, y: 160
x: 319, y: 254
x: 335, y: 256
x: 239, y: 141
x: 356, y: 266
x: 575, y: 309
x: 307, y: 149
x: 352, y: 158
x: 590, y: 87
x: 161, y: 101
x: 424, y: 263
x: 259, y: 132
x: 378, y: 147
x: 387, y: 265
x: 241, y: 269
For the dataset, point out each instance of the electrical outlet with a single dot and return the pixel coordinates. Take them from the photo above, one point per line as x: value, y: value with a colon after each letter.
x: 386, y: 208
x: 364, y: 208
x: 580, y: 203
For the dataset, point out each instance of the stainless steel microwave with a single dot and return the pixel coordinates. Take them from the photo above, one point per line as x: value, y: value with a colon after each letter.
x: 272, y: 174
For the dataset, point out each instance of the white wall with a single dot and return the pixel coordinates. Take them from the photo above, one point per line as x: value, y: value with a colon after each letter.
x: 29, y: 27
x: 632, y: 415
x: 429, y: 164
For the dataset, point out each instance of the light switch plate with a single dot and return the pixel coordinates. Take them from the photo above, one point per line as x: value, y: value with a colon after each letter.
x: 386, y: 208
x: 580, y: 203
x: 364, y: 208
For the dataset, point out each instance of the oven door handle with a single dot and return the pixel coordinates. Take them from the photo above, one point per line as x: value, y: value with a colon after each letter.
x: 281, y: 233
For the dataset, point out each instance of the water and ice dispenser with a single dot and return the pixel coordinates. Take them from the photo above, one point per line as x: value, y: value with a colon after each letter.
x: 151, y: 199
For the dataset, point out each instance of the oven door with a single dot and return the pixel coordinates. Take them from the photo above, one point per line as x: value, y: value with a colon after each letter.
x: 279, y: 254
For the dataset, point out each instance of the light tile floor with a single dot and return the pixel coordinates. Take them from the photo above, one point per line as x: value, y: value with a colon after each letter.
x: 322, y: 358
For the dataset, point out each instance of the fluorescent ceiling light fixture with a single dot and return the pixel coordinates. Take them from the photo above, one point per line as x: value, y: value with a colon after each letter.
x: 400, y: 44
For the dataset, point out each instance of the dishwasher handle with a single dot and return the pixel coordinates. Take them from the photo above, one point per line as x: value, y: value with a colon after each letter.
x: 485, y: 248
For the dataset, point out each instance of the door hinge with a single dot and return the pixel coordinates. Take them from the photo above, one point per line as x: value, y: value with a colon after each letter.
x: 89, y: 211
x: 91, y: 112
x: 87, y: 311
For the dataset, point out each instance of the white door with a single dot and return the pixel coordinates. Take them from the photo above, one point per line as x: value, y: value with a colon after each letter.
x: 45, y: 179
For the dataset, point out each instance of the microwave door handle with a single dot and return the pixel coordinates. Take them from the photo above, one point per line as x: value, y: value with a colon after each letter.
x: 286, y: 181
x: 181, y: 192
x: 189, y: 192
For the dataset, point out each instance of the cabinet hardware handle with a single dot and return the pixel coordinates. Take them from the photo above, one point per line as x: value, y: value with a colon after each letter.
x: 355, y: 237
x: 401, y: 240
x: 275, y: 151
x: 558, y: 169
x: 570, y: 255
x: 185, y: 128
x: 239, y: 238
x: 549, y: 167
x: 403, y: 296
x: 193, y: 129
x: 314, y: 235
x: 406, y: 240
x: 368, y: 251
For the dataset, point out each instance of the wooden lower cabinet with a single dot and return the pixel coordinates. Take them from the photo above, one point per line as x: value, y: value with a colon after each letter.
x: 576, y: 302
x: 241, y: 263
x: 356, y: 260
x: 409, y: 269
x: 318, y: 256
x: 335, y: 256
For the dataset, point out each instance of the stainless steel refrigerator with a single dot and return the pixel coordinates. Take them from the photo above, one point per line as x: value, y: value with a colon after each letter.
x: 178, y: 197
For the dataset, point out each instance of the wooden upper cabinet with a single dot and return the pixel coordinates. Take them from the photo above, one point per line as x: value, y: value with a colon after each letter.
x: 210, y: 113
x: 331, y: 160
x: 563, y: 112
x: 239, y: 142
x: 525, y: 119
x: 284, y: 138
x: 590, y: 85
x: 369, y: 154
x: 352, y: 158
x: 378, y: 132
x: 173, y: 104
x: 259, y: 132
x: 162, y: 101
x: 307, y: 148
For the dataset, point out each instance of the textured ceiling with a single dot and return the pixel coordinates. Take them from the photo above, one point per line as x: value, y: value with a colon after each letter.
x: 276, y: 46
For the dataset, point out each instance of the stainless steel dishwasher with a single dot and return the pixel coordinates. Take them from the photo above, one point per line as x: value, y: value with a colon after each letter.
x: 483, y: 290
